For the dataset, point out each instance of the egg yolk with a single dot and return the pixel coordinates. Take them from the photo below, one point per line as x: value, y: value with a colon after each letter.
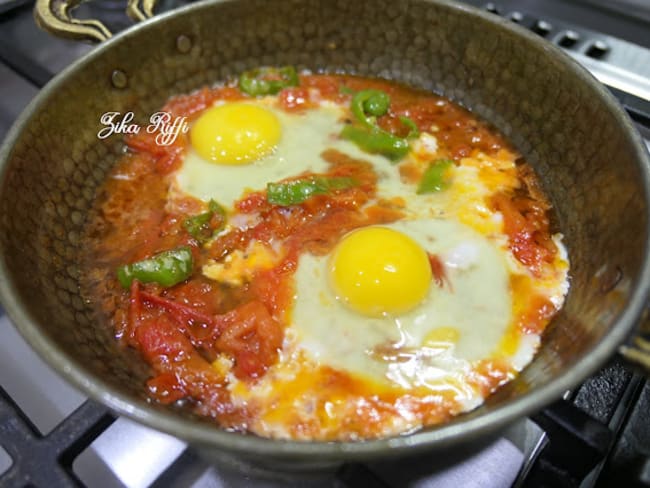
x: 235, y: 133
x: 378, y: 271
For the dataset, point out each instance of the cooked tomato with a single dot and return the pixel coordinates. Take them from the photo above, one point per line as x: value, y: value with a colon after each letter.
x: 527, y: 226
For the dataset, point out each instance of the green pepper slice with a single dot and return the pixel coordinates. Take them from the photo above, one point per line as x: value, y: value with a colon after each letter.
x: 368, y: 104
x: 198, y: 225
x: 166, y: 268
x: 434, y: 178
x: 377, y: 141
x: 414, y: 132
x: 298, y: 191
x: 267, y: 81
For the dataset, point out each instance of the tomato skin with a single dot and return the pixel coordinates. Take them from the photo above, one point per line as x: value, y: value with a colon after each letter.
x: 161, y: 341
x: 145, y: 142
x: 273, y: 288
x: 192, y: 104
x: 170, y: 161
x: 252, y: 336
x: 180, y: 370
x: 328, y: 87
x: 166, y: 388
x: 167, y: 158
x: 527, y: 226
x: 438, y: 270
x: 294, y: 99
x: 252, y: 202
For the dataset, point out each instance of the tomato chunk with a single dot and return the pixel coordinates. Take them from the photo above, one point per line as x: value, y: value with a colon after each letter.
x: 527, y: 226
x: 252, y: 337
x: 294, y: 99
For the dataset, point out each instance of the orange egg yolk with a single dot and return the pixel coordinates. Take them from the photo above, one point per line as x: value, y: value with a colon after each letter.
x: 235, y: 133
x: 378, y: 271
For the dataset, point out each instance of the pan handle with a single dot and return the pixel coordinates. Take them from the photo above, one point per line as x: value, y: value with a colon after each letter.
x: 55, y: 17
x: 637, y: 350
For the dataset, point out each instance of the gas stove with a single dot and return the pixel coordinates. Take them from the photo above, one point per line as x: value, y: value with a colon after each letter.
x: 597, y: 435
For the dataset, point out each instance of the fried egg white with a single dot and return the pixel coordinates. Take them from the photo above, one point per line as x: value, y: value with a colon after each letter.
x: 473, y: 306
x: 302, y: 138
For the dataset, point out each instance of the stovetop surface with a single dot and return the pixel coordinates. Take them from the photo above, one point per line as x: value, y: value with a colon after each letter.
x: 53, y: 436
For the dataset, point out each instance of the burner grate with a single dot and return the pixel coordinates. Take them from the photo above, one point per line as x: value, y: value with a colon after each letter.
x: 43, y: 461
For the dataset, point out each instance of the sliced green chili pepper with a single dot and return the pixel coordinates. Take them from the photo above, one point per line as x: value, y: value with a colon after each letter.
x: 366, y: 106
x: 377, y: 141
x: 267, y: 81
x: 214, y: 207
x: 434, y: 178
x: 369, y: 104
x: 197, y: 225
x: 298, y: 191
x: 166, y: 268
x: 413, y: 128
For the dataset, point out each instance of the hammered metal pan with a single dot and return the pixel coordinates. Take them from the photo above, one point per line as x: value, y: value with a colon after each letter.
x: 590, y: 159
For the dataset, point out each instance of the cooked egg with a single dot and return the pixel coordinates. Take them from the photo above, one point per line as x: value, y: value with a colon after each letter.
x: 353, y: 339
x: 238, y: 267
x: 284, y: 145
x: 303, y: 137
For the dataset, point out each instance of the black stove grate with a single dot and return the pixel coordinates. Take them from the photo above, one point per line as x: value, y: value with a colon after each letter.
x: 45, y: 461
x: 588, y: 435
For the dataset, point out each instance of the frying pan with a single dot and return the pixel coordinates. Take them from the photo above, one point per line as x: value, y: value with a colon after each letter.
x: 590, y: 159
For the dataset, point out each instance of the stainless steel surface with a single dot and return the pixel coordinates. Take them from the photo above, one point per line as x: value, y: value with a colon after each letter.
x: 616, y: 62
x: 632, y: 8
x: 500, y: 464
x: 42, y: 395
x: 624, y: 66
x: 613, y: 18
x: 127, y: 454
x: 635, y: 82
x: 132, y: 456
